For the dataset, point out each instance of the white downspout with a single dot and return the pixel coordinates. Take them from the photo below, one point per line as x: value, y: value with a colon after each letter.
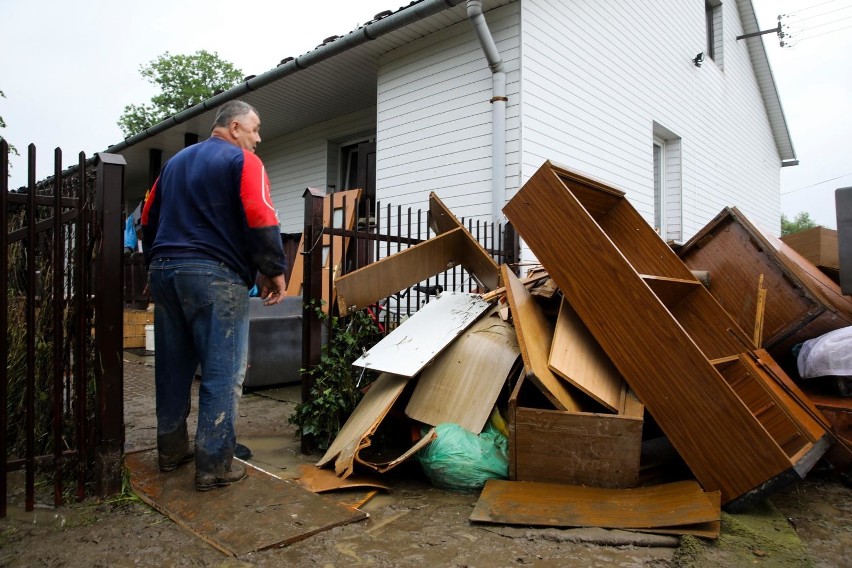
x: 498, y: 108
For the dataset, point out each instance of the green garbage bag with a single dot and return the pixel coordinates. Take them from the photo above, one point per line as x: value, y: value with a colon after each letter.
x: 459, y: 460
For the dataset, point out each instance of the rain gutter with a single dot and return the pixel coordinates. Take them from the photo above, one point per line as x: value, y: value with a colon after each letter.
x: 363, y: 34
x: 498, y: 108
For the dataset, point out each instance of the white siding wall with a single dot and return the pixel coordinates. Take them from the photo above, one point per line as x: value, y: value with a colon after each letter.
x: 597, y: 74
x: 300, y: 160
x: 434, y: 118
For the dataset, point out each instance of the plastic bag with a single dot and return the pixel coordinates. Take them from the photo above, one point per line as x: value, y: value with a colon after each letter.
x: 459, y: 460
x: 827, y: 355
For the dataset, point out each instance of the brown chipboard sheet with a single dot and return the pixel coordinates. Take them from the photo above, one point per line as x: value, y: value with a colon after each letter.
x: 369, y: 284
x: 462, y: 384
x: 535, y: 335
x: 605, y: 252
x: 420, y: 338
x: 319, y: 480
x: 576, y: 357
x: 282, y: 512
x: 362, y: 423
x: 483, y: 266
x: 668, y: 506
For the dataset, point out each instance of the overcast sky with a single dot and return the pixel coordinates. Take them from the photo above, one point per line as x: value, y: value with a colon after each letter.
x: 69, y: 68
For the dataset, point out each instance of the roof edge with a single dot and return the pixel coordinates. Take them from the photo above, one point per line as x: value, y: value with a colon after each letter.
x: 384, y: 24
x: 767, y: 85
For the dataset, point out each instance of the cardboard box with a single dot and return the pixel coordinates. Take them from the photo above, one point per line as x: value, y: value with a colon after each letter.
x: 134, y: 327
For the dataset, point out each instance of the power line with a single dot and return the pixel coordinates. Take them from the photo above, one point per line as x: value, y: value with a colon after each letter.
x: 797, y: 41
x: 824, y: 14
x: 816, y: 184
x: 810, y: 8
x: 828, y: 23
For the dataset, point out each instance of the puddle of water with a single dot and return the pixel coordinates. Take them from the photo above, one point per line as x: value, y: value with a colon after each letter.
x: 279, y: 455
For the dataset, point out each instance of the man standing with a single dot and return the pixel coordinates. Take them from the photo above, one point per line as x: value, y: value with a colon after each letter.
x: 208, y: 225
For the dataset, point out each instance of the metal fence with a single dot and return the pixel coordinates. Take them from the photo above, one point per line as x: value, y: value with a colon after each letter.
x: 61, y: 409
x: 378, y: 233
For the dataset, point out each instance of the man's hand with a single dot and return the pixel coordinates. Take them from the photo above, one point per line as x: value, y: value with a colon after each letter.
x: 272, y: 289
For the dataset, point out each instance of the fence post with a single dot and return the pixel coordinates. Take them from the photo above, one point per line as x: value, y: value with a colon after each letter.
x: 311, y: 289
x: 108, y: 302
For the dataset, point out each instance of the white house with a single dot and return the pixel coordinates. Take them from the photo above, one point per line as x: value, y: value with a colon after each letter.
x: 469, y: 98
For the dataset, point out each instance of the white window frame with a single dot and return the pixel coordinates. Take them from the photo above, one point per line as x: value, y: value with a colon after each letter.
x: 667, y: 176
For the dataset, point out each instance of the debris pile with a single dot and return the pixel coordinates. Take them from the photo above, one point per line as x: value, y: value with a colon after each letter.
x: 615, y: 324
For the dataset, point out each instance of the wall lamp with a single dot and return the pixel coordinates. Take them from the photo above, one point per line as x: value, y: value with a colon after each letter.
x: 699, y: 59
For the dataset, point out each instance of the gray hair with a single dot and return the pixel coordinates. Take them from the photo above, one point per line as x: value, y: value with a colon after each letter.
x: 232, y: 110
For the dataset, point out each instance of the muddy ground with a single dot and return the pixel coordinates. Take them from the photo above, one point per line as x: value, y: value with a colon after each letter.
x: 808, y: 524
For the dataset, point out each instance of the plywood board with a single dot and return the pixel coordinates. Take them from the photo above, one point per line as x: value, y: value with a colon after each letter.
x: 362, y: 423
x: 600, y: 276
x: 282, y: 512
x: 576, y: 357
x: 481, y: 263
x: 463, y: 383
x: 419, y: 339
x: 408, y: 267
x: 668, y: 506
x: 535, y: 335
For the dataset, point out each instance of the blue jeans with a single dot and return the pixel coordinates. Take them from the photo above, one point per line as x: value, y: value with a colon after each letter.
x: 200, y: 316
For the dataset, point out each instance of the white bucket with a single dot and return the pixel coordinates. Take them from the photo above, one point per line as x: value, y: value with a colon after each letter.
x: 149, y: 337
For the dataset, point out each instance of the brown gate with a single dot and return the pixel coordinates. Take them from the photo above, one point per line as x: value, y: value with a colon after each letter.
x: 61, y: 409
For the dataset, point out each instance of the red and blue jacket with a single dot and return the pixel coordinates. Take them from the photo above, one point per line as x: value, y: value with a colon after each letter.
x: 212, y: 201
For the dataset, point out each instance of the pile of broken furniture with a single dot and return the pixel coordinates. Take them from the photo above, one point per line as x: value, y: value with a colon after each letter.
x: 617, y: 323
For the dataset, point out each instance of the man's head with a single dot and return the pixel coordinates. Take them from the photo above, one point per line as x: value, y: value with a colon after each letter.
x: 238, y: 123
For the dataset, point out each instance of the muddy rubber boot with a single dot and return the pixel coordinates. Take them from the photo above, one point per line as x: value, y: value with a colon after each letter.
x: 173, y: 449
x: 208, y: 481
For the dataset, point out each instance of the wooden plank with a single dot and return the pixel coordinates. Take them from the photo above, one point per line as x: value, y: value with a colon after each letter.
x: 369, y: 284
x: 335, y: 207
x: 669, y: 506
x: 462, y: 384
x: 282, y: 512
x: 535, y: 335
x: 670, y: 290
x: 362, y: 423
x: 420, y: 338
x: 576, y: 357
x: 482, y: 266
x: 670, y: 374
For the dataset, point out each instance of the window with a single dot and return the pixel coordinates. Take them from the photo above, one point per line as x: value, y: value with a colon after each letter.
x: 713, y: 22
x: 668, y: 195
x: 659, y: 186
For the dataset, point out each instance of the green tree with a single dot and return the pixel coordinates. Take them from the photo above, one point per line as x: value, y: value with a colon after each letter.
x: 184, y: 81
x: 800, y: 222
x: 12, y: 149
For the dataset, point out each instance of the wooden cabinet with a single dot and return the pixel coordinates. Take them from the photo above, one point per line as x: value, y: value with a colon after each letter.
x: 666, y: 335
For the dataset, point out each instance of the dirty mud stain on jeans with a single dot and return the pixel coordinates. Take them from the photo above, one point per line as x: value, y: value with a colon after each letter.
x: 220, y: 419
